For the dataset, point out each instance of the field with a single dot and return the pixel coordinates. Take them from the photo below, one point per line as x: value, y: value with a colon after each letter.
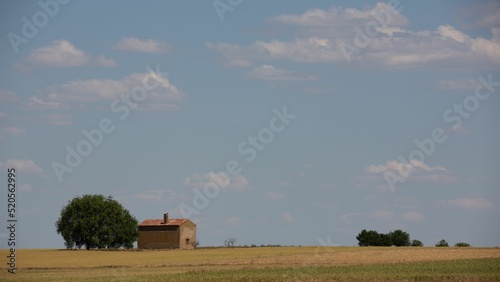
x: 259, y: 264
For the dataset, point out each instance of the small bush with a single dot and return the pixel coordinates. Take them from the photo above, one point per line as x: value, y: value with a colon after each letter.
x: 416, y: 243
x: 462, y: 244
x: 442, y: 243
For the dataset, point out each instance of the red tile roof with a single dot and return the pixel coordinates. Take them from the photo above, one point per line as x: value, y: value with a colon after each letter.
x: 152, y: 222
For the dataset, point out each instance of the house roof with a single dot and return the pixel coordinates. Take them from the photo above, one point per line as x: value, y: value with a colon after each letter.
x: 159, y: 222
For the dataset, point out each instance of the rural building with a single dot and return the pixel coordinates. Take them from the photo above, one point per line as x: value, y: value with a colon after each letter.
x: 167, y: 233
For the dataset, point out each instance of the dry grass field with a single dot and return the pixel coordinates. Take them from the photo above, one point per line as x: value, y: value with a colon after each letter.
x: 259, y: 264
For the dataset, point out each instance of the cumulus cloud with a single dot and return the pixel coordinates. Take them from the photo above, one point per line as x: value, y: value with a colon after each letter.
x: 78, y: 92
x: 37, y: 103
x: 62, y: 54
x: 416, y: 171
x: 348, y: 35
x: 221, y: 179
x: 142, y: 45
x: 268, y: 72
x: 395, y: 165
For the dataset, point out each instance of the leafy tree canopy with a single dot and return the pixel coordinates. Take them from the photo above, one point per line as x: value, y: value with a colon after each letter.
x: 95, y: 221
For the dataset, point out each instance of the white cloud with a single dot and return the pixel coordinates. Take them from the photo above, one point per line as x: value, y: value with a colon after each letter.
x: 22, y: 166
x: 468, y: 203
x: 142, y: 45
x: 341, y: 17
x: 287, y: 217
x: 268, y: 72
x: 77, y: 92
x: 460, y: 84
x: 62, y: 54
x: 274, y: 196
x: 414, y: 171
x: 37, y: 103
x: 221, y: 179
x: 412, y: 216
x: 375, y: 176
x: 324, y: 34
x: 395, y: 166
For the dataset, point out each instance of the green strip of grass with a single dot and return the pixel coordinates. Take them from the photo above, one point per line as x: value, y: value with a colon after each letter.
x: 453, y: 270
x: 458, y: 270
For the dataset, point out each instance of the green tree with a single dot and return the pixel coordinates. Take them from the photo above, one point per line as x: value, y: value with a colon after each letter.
x: 94, y: 221
x: 442, y: 243
x: 385, y: 240
x: 462, y: 244
x: 400, y: 238
x: 416, y: 243
x: 368, y: 238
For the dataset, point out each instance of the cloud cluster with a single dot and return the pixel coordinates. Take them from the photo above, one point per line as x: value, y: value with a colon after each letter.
x: 224, y: 181
x: 416, y: 171
x: 376, y: 36
x: 63, y: 54
x: 81, y: 92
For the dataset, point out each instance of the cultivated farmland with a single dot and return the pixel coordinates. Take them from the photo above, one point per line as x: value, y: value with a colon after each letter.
x: 259, y: 264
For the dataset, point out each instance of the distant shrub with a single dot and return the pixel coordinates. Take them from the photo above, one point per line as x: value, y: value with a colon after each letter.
x: 442, y: 243
x: 462, y: 244
x: 416, y: 243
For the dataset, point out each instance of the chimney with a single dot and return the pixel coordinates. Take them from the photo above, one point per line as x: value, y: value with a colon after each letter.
x: 165, y: 218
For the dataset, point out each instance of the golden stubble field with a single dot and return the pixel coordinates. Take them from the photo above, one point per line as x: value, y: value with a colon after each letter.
x: 82, y: 265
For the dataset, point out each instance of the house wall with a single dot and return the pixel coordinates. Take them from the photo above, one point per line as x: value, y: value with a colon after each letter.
x: 158, y: 239
x: 187, y: 235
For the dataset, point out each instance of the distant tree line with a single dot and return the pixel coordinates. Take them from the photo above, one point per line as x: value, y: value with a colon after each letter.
x: 397, y: 238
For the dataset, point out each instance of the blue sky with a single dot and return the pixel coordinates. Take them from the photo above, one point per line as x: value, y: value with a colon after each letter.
x: 283, y: 124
